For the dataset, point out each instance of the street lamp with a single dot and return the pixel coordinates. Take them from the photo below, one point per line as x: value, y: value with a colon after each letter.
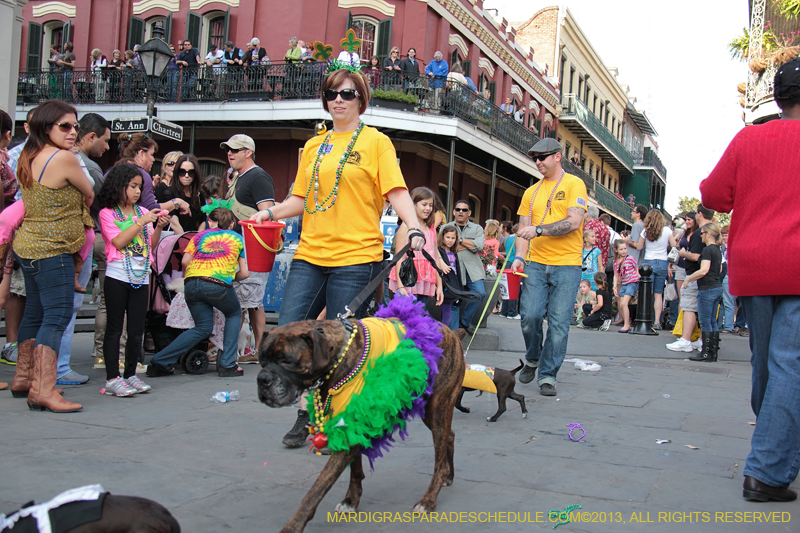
x: 155, y: 56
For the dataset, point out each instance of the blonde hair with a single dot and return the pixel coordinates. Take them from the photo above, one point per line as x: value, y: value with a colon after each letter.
x: 171, y: 156
x: 586, y: 234
x: 713, y: 230
x: 96, y: 53
x: 492, y: 229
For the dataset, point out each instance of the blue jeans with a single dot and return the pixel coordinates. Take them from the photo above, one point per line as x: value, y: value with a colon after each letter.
x: 725, y: 320
x: 707, y: 302
x: 774, y: 322
x: 659, y: 274
x: 464, y: 313
x: 311, y: 288
x: 50, y: 291
x: 548, y: 290
x: 65, y: 353
x: 741, y: 316
x: 202, y: 297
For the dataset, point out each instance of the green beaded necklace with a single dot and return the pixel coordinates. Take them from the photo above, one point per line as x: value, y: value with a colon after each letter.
x: 324, y: 148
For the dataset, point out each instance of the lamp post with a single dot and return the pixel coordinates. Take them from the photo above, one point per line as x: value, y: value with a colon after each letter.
x: 155, y: 56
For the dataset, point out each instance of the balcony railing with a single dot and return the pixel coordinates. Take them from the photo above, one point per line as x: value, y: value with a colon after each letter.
x: 651, y: 159
x: 571, y: 106
x: 604, y: 196
x: 761, y: 86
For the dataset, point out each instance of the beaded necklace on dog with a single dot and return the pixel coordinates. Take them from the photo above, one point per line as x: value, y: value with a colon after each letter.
x: 321, y: 411
x: 132, y: 250
x: 324, y: 148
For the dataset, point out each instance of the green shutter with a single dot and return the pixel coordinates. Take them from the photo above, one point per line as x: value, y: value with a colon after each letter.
x: 492, y: 86
x: 194, y: 23
x: 34, y: 46
x: 467, y: 66
x: 384, y: 43
x: 349, y: 21
x: 66, y: 32
x: 168, y: 29
x: 227, y: 25
x: 135, y: 32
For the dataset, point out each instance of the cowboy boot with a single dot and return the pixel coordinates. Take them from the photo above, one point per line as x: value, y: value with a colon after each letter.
x: 22, y: 380
x: 3, y: 385
x: 42, y: 394
x: 76, y: 259
x: 705, y: 353
x: 712, y: 354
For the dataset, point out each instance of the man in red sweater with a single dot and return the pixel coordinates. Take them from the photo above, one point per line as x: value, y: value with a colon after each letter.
x: 759, y: 171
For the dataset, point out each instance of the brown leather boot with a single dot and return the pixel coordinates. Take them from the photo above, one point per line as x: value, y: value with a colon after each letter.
x: 76, y: 259
x: 3, y: 385
x: 22, y: 380
x: 42, y: 394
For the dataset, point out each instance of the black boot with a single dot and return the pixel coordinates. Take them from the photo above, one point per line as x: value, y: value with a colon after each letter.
x: 298, y: 435
x: 705, y: 352
x: 712, y: 354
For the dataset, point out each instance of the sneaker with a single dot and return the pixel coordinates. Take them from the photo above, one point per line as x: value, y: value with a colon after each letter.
x: 72, y: 378
x: 680, y: 345
x: 298, y: 435
x: 527, y: 374
x: 140, y: 368
x: 581, y: 326
x: 249, y: 357
x: 697, y: 345
x: 9, y: 354
x: 547, y: 389
x: 606, y: 325
x: 119, y: 387
x: 657, y: 326
x: 573, y: 322
x: 744, y: 333
x: 516, y: 317
x: 99, y: 363
x: 138, y: 384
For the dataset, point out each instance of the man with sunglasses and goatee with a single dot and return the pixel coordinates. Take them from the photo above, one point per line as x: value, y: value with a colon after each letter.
x: 548, y: 249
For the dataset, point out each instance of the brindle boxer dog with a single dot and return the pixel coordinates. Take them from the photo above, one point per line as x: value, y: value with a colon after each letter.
x: 296, y: 355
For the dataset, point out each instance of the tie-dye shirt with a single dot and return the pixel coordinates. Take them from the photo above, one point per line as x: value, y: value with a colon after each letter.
x: 215, y: 254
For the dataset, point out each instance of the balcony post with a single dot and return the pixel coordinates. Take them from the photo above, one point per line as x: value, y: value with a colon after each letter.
x: 450, y: 176
x: 494, y: 184
x: 191, y: 140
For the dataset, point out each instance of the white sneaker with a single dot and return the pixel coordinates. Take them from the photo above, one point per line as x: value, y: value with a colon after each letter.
x: 606, y: 325
x: 698, y: 345
x: 681, y: 345
x: 138, y: 384
x: 119, y: 387
x: 516, y: 317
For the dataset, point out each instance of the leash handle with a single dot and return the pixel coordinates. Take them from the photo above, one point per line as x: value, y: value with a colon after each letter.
x: 367, y: 291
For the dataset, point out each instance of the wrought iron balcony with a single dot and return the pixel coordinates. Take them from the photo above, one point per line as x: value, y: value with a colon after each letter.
x: 608, y: 199
x: 576, y: 117
x: 651, y: 160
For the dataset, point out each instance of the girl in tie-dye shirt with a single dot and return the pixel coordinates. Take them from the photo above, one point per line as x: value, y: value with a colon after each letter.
x: 210, y: 264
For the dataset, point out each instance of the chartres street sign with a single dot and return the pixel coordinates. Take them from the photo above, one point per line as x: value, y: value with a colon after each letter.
x: 168, y: 129
x: 130, y: 125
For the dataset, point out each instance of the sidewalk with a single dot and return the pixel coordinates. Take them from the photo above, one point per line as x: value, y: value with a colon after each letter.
x: 222, y: 467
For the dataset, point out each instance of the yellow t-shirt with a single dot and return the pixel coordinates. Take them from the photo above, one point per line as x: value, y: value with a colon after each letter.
x: 565, y: 249
x: 349, y: 233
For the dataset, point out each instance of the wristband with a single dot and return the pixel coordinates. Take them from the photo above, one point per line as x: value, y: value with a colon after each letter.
x: 138, y: 223
x: 520, y: 258
x: 175, y: 203
x: 271, y: 218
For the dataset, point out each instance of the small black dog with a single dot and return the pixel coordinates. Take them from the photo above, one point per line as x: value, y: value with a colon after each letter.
x: 504, y: 381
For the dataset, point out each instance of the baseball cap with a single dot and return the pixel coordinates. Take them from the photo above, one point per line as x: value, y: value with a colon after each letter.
x: 787, y: 80
x: 239, y: 141
x: 545, y: 146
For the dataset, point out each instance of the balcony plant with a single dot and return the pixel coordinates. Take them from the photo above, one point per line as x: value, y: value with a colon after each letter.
x: 392, y: 99
x: 485, y: 124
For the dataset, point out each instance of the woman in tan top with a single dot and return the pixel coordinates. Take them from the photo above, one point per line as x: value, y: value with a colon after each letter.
x: 55, y: 190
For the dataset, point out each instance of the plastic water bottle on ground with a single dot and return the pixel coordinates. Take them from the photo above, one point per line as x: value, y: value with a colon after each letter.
x: 225, y: 396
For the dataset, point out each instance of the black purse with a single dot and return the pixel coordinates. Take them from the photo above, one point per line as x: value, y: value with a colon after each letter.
x: 407, y: 274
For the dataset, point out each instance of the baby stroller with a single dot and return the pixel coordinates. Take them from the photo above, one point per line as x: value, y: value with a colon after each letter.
x: 167, y: 267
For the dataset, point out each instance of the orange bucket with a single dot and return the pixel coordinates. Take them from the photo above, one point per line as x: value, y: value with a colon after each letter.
x: 261, y: 243
x: 513, y: 284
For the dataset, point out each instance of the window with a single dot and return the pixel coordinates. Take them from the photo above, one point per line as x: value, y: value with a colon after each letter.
x: 506, y: 214
x: 591, y: 168
x: 561, y: 75
x: 605, y: 122
x: 475, y: 207
x: 151, y: 24
x: 567, y: 146
x: 571, y: 77
x: 594, y: 104
x: 366, y: 29
x: 443, y: 196
x: 216, y: 33
x: 613, y: 124
x: 588, y: 90
x: 602, y: 108
x: 214, y: 30
x: 580, y: 87
x: 537, y: 126
x: 454, y: 58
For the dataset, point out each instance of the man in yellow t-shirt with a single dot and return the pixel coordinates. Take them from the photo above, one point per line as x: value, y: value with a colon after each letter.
x: 548, y: 248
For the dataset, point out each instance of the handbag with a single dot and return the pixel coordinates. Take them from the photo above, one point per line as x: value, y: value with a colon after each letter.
x: 407, y: 274
x: 673, y: 255
x: 670, y: 293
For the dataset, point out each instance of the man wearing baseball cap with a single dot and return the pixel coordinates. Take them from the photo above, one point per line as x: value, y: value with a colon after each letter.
x: 758, y: 175
x: 252, y: 190
x: 548, y: 250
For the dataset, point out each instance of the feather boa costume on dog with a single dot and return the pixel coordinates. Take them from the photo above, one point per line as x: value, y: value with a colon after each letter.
x: 392, y: 386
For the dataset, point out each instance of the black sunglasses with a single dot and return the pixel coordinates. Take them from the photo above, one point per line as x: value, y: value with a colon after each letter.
x: 461, y: 209
x: 346, y: 94
x: 67, y: 126
x: 542, y: 157
x: 233, y: 150
x: 184, y: 172
x: 170, y: 164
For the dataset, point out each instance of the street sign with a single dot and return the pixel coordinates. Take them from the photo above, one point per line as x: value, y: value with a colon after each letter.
x: 130, y: 125
x: 167, y: 129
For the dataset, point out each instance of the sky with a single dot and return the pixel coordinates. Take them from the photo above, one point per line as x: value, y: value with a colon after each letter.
x: 674, y: 57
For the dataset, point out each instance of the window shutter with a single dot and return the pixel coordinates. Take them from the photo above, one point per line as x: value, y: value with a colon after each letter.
x: 227, y: 25
x: 492, y: 86
x: 467, y: 66
x: 349, y: 21
x: 194, y: 23
x: 34, y: 46
x: 168, y: 29
x: 384, y: 43
x: 135, y: 32
x: 66, y: 31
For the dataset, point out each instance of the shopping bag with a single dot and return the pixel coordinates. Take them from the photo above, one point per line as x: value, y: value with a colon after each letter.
x: 670, y: 293
x: 678, y: 330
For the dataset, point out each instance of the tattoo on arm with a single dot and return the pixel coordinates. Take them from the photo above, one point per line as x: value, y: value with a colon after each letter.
x: 566, y: 225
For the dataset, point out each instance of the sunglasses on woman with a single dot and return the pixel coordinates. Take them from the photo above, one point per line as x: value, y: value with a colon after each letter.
x: 66, y: 127
x: 170, y: 164
x: 184, y: 172
x: 346, y: 94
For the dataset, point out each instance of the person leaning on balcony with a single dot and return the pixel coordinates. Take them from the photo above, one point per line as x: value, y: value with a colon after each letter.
x: 768, y: 284
x: 507, y: 107
x: 341, y: 246
x: 67, y: 60
x: 409, y: 68
x: 392, y: 65
x: 519, y: 114
x: 437, y: 71
x: 294, y: 52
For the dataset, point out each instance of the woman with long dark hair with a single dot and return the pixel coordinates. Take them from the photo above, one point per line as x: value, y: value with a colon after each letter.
x: 186, y: 183
x: 57, y: 196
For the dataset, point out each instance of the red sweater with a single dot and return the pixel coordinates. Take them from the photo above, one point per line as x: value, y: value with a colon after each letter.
x: 758, y: 178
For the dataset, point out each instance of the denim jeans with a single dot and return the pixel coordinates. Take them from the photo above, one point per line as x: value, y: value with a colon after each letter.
x: 464, y: 313
x: 659, y: 275
x: 741, y: 316
x: 548, y: 290
x: 65, y: 353
x: 50, y: 291
x: 725, y: 319
x: 774, y: 322
x: 508, y: 308
x: 311, y: 288
x: 202, y: 297
x: 707, y: 302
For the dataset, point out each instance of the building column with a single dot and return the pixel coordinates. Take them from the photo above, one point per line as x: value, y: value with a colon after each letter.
x: 11, y: 21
